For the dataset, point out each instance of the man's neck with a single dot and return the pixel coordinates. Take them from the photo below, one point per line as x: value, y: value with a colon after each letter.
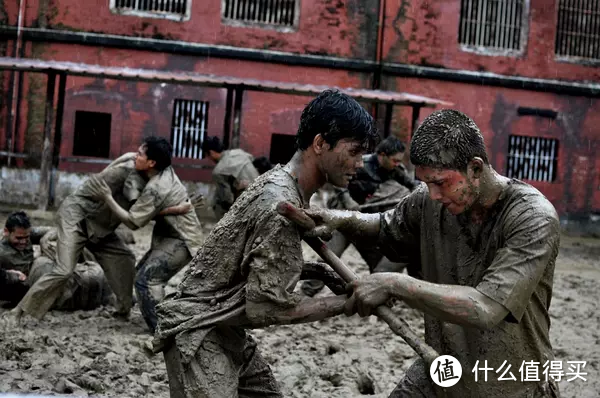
x: 303, y: 166
x: 150, y: 173
x: 491, y: 186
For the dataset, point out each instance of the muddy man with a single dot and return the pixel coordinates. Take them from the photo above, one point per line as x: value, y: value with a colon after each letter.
x: 244, y: 275
x: 486, y: 246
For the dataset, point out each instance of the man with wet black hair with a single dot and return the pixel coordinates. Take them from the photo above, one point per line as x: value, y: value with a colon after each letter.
x: 85, y: 222
x: 87, y: 288
x: 175, y: 237
x: 244, y: 275
x: 486, y: 246
x: 383, y: 178
x: 16, y: 255
x: 233, y: 172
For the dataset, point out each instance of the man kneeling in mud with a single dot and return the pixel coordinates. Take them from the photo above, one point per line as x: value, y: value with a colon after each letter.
x: 244, y: 275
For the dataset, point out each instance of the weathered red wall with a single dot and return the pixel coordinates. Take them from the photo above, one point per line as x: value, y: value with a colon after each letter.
x: 426, y: 33
x: 421, y: 32
x: 577, y: 128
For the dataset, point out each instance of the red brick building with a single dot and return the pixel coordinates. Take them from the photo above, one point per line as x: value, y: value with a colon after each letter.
x: 525, y: 70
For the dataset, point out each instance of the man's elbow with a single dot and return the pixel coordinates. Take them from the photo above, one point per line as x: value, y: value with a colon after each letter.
x: 489, y: 317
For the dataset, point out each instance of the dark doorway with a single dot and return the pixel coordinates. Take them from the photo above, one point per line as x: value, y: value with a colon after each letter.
x: 283, y: 147
x: 92, y: 134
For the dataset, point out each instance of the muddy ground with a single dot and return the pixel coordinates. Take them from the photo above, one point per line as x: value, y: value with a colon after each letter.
x: 90, y: 353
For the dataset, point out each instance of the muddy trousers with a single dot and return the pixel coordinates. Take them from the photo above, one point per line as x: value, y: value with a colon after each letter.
x: 86, y: 290
x: 113, y: 255
x: 226, y: 365
x: 154, y: 270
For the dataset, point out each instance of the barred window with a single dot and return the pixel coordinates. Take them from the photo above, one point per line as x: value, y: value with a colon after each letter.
x: 578, y: 30
x: 169, y: 9
x: 279, y: 13
x: 492, y: 24
x: 532, y: 158
x: 189, y: 126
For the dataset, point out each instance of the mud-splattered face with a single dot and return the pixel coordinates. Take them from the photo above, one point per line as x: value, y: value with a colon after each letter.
x: 456, y: 191
x: 18, y: 238
x: 339, y: 164
x: 142, y: 163
x: 390, y: 162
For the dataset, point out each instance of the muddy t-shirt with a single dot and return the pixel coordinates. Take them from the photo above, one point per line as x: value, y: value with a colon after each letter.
x: 98, y: 218
x: 252, y: 254
x: 510, y: 258
x: 20, y: 260
x: 162, y: 191
x: 232, y: 173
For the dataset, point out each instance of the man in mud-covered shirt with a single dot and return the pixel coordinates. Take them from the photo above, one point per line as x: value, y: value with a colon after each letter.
x: 486, y: 246
x: 233, y: 173
x: 86, y: 289
x: 382, y: 179
x: 83, y: 222
x: 175, y: 238
x: 245, y: 273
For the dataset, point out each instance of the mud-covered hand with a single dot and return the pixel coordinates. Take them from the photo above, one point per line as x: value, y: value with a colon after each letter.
x: 47, y: 244
x: 98, y: 188
x: 16, y: 275
x: 316, y: 222
x: 197, y: 200
x: 369, y: 293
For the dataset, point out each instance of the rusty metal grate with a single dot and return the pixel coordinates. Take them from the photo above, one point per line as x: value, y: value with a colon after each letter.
x: 190, y: 122
x: 578, y: 30
x: 166, y: 7
x: 268, y: 12
x: 495, y: 24
x: 532, y: 158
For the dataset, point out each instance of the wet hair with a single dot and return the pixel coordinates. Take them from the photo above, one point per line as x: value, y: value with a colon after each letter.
x: 447, y: 139
x: 262, y: 164
x: 390, y: 146
x: 18, y: 219
x: 336, y: 116
x: 159, y: 150
x: 212, y: 144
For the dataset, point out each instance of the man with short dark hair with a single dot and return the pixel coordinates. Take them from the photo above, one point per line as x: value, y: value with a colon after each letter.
x: 85, y: 222
x: 244, y: 275
x: 16, y: 255
x: 383, y: 178
x: 486, y: 246
x: 175, y: 237
x: 233, y: 172
x: 87, y: 289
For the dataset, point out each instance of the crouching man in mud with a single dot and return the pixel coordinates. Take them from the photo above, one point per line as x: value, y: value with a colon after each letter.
x: 244, y: 275
x: 87, y: 289
x: 486, y: 246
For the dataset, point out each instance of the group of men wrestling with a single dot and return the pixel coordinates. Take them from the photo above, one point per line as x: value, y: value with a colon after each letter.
x: 480, y: 249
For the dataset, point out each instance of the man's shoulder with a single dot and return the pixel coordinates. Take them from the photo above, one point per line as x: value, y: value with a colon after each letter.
x: 525, y: 199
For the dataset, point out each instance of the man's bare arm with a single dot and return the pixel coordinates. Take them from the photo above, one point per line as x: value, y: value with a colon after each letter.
x: 462, y: 305
x: 177, y: 210
x: 308, y: 310
x: 321, y: 222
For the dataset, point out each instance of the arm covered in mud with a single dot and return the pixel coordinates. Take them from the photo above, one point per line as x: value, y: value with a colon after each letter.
x: 531, y: 241
x: 275, y: 266
x: 145, y: 208
x: 37, y: 233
